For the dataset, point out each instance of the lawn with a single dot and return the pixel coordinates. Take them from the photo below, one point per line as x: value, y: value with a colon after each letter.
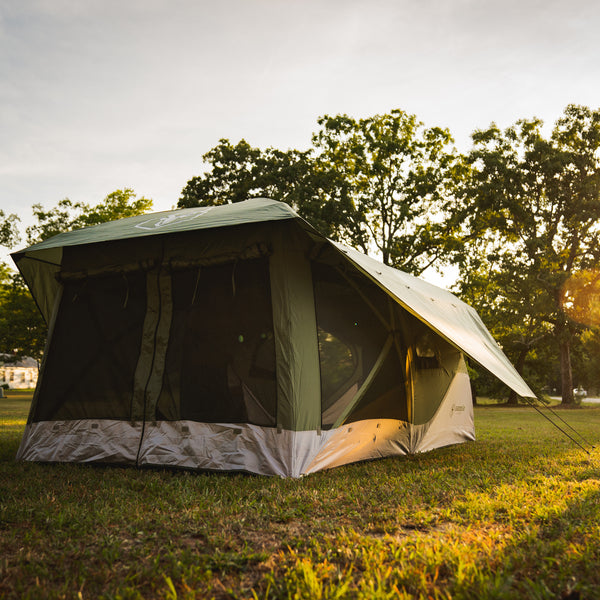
x: 515, y: 514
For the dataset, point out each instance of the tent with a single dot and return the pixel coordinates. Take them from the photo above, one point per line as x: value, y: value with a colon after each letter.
x: 237, y: 337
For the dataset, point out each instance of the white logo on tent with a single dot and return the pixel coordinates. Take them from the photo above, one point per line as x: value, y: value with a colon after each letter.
x: 160, y: 222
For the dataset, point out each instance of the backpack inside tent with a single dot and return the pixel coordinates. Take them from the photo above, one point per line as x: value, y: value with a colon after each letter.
x: 237, y: 337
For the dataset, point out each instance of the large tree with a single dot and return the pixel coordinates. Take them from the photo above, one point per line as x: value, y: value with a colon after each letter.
x: 400, y: 176
x: 239, y: 172
x: 508, y: 301
x: 533, y: 209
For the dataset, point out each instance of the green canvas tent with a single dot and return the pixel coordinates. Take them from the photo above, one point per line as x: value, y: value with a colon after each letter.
x: 237, y: 337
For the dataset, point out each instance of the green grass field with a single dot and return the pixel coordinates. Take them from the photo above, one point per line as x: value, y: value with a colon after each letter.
x: 515, y: 514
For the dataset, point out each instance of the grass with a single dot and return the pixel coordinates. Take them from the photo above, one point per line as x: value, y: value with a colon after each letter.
x: 515, y: 514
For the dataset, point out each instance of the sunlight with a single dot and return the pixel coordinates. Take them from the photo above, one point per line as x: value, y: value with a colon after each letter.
x: 580, y: 297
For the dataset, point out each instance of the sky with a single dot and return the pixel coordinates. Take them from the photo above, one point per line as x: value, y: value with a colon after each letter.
x: 99, y: 95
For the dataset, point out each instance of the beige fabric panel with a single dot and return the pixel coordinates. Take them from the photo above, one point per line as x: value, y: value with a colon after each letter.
x: 81, y: 441
x: 362, y: 440
x: 220, y: 447
x: 231, y: 447
x: 454, y: 421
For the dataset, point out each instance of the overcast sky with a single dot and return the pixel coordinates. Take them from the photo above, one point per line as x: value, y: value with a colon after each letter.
x: 97, y: 95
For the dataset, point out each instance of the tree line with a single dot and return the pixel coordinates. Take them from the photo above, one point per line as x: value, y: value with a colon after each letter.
x: 517, y: 216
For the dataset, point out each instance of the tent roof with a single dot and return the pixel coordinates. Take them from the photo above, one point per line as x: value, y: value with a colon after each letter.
x: 439, y: 309
x: 255, y: 210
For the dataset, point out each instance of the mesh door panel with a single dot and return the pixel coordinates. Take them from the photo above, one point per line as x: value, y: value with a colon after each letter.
x: 221, y: 358
x: 94, y: 349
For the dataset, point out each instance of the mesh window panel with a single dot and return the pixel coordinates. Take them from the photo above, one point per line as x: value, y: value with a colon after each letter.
x: 351, y: 336
x: 94, y: 350
x: 221, y: 358
x: 386, y: 396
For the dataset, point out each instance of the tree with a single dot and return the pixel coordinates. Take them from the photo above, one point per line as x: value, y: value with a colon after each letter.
x: 589, y: 371
x: 22, y: 329
x: 239, y: 172
x: 9, y: 235
x: 400, y: 177
x: 532, y: 206
x: 508, y: 303
x: 68, y: 215
x: 382, y: 184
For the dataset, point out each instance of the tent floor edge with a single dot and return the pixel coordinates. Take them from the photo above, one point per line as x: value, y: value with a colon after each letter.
x: 219, y: 446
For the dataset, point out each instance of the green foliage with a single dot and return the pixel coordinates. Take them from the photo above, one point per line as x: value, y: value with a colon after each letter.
x: 532, y: 216
x: 9, y: 235
x: 22, y: 329
x: 239, y: 172
x: 400, y: 178
x: 587, y: 365
x: 513, y: 515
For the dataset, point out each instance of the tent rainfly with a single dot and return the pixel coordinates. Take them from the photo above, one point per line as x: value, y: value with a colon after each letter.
x: 237, y: 337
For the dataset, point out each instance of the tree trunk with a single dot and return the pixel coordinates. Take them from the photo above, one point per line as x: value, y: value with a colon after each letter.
x: 566, y: 374
x: 519, y: 366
